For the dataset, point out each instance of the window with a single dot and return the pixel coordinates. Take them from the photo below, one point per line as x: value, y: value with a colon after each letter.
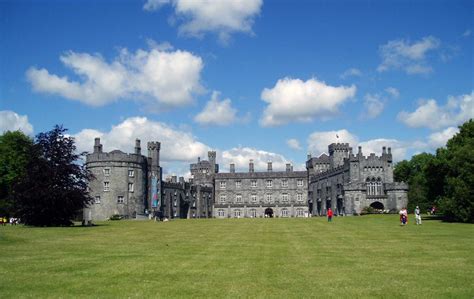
x: 131, y: 173
x: 130, y: 187
x: 299, y: 212
x: 284, y: 213
x: 97, y: 200
x: 222, y: 199
x: 237, y: 213
x: 269, y: 183
x: 222, y: 184
x: 268, y: 197
x: 253, y: 213
x: 253, y: 183
x: 299, y: 197
x: 253, y: 198
x: 238, y: 184
x: 299, y: 183
x: 238, y: 198
x: 106, y: 171
x: 120, y: 199
x: 220, y: 213
x: 284, y: 197
x: 284, y: 183
x: 106, y: 186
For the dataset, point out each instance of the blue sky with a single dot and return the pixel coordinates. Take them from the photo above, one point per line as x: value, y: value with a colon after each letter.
x: 251, y: 79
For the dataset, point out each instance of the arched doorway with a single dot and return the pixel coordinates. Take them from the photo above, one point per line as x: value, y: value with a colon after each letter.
x: 269, y: 212
x: 377, y: 205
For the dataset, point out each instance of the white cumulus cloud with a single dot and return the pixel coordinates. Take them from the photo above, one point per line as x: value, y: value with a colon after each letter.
x: 217, y: 112
x: 409, y: 57
x: 318, y: 141
x: 160, y: 77
x: 399, y: 148
x: 297, y: 100
x: 241, y: 156
x: 223, y: 17
x: 293, y: 144
x: 439, y: 139
x: 429, y: 114
x: 373, y: 105
x: 176, y: 145
x: 11, y: 121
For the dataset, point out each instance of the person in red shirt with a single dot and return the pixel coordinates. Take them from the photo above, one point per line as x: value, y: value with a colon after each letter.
x: 329, y: 215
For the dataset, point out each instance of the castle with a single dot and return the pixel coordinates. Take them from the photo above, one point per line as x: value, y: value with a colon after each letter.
x: 132, y: 184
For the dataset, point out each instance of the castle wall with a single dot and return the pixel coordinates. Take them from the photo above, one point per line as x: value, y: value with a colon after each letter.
x: 239, y: 195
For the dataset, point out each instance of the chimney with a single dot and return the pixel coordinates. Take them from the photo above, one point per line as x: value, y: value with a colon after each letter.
x: 138, y: 149
x: 174, y: 179
x: 360, y: 151
x: 181, y: 180
x: 308, y: 157
x: 97, y: 146
x: 251, y: 166
x: 389, y: 150
x: 350, y: 151
x: 199, y: 159
x: 269, y: 168
x: 288, y: 167
x: 232, y: 168
x: 384, y: 150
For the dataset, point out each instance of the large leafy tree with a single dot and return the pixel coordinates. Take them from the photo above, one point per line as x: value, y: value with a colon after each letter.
x: 455, y: 164
x: 14, y: 156
x: 415, y: 174
x: 54, y: 189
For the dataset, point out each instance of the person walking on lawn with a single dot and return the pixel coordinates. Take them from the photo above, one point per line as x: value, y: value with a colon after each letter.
x: 329, y: 215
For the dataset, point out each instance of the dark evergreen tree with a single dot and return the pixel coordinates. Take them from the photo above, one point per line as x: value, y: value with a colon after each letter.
x: 14, y: 156
x: 54, y: 189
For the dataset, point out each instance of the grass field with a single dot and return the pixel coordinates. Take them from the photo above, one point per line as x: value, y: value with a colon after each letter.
x: 369, y: 256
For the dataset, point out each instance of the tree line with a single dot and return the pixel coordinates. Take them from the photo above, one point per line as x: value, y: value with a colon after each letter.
x: 444, y: 179
x: 42, y: 180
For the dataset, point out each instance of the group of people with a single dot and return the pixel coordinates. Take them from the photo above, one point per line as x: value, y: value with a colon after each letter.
x: 12, y: 221
x: 404, y: 216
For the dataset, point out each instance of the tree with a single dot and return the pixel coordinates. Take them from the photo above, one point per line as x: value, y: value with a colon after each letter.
x: 54, y: 188
x: 14, y: 155
x: 456, y: 164
x: 415, y: 173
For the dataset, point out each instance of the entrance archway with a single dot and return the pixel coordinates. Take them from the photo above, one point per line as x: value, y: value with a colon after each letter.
x: 377, y: 205
x: 269, y: 212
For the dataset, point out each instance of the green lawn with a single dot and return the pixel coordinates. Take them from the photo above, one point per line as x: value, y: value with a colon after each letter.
x: 369, y: 256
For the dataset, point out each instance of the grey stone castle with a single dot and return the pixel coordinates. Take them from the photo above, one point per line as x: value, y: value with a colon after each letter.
x: 131, y: 185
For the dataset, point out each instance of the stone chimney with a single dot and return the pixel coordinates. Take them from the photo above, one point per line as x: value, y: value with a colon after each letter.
x: 384, y: 150
x: 199, y: 159
x: 389, y: 150
x: 360, y: 151
x: 269, y: 167
x: 97, y: 146
x: 232, y: 168
x: 174, y: 179
x: 138, y: 149
x: 308, y: 157
x: 288, y: 167
x: 181, y: 180
x: 251, y: 169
